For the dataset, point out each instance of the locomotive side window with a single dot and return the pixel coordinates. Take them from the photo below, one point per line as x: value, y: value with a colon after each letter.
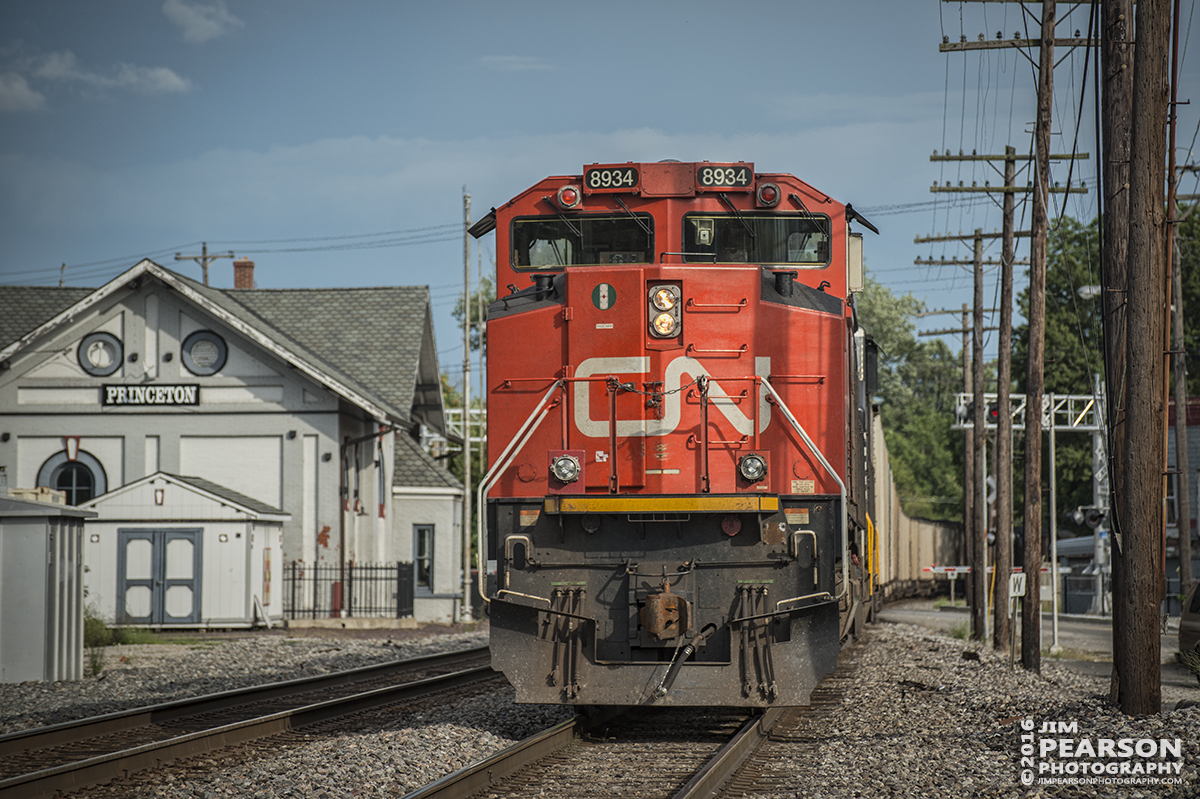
x: 548, y: 242
x: 757, y: 239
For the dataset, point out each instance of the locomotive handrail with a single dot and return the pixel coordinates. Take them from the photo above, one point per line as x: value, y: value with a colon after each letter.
x: 787, y: 414
x: 694, y: 348
x: 524, y: 433
x: 824, y: 596
x: 691, y: 303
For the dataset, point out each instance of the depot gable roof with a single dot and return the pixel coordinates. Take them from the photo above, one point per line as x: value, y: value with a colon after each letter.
x: 373, y: 347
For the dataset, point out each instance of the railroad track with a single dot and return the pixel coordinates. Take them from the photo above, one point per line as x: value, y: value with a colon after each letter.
x: 653, y: 753
x: 65, y: 757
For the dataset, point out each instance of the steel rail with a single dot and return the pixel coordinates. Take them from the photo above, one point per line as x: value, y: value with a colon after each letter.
x: 722, y: 766
x: 82, y: 729
x: 72, y: 776
x: 472, y: 779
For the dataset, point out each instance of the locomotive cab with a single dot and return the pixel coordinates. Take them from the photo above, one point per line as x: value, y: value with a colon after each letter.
x: 677, y: 453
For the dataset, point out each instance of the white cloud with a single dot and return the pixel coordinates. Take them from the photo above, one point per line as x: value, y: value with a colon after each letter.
x: 132, y: 77
x: 16, y: 95
x: 201, y: 22
x: 515, y: 63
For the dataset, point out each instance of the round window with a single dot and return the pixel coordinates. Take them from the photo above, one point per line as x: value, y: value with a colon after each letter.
x: 204, y: 352
x: 100, y: 354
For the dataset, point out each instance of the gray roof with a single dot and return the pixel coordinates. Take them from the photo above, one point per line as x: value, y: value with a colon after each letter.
x: 24, y: 309
x: 368, y: 338
x: 416, y: 468
x: 372, y: 335
x: 228, y: 494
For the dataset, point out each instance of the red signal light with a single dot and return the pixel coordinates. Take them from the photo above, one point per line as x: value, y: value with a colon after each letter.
x: 568, y: 197
x: 768, y: 195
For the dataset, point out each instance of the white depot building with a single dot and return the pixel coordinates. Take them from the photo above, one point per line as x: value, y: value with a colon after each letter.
x: 245, y: 449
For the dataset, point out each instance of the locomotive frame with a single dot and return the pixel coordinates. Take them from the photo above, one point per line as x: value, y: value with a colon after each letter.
x: 682, y: 391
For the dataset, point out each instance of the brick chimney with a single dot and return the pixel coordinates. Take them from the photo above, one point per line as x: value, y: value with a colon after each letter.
x: 243, y: 273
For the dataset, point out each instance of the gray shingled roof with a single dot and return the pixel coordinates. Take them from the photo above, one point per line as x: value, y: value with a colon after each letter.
x: 368, y: 338
x: 25, y: 308
x: 418, y: 469
x: 372, y: 335
x: 228, y: 494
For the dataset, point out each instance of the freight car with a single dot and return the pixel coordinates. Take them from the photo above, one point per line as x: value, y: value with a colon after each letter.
x: 678, y: 394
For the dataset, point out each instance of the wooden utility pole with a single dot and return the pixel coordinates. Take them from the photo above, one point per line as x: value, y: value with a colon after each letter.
x: 1183, y: 491
x: 1031, y: 606
x: 1183, y: 519
x: 204, y: 259
x: 979, y: 409
x: 464, y: 613
x: 1116, y: 73
x: 1142, y: 511
x: 1003, y: 448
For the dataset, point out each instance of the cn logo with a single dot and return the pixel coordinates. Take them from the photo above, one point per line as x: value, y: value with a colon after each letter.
x: 672, y: 380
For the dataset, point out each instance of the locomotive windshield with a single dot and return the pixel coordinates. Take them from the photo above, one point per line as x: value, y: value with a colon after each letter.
x: 757, y: 239
x: 541, y: 242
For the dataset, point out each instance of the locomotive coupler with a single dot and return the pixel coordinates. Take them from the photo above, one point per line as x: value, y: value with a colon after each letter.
x: 665, y: 615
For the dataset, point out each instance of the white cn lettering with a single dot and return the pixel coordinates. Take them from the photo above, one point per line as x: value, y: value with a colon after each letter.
x: 672, y: 402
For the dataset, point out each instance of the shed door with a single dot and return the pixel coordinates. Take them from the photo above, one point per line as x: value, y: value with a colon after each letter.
x: 158, y: 576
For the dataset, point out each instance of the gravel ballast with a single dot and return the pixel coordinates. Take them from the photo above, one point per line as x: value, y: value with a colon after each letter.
x: 920, y: 716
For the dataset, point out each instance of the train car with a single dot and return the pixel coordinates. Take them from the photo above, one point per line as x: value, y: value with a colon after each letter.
x: 678, y: 441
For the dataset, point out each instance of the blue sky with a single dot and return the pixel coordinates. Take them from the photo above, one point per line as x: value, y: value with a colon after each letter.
x: 330, y: 142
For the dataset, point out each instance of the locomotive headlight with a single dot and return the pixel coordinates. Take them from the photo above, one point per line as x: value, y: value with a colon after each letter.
x: 664, y: 298
x: 664, y: 325
x: 565, y: 468
x: 752, y: 468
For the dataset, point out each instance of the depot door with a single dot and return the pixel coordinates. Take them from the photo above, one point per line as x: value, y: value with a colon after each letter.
x: 158, y: 576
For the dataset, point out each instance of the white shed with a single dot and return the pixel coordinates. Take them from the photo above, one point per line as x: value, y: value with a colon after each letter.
x: 176, y: 551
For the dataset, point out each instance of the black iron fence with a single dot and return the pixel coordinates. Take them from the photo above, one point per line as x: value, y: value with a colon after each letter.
x: 322, y: 591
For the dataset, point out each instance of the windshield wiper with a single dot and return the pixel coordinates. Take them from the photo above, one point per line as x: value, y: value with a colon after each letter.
x: 729, y: 203
x: 566, y: 220
x: 641, y: 222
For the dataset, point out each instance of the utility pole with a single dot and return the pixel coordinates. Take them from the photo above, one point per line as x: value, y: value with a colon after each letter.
x: 975, y: 510
x: 1141, y: 587
x: 1183, y: 519
x: 1003, y: 470
x: 969, y: 485
x: 1116, y: 75
x: 465, y: 613
x: 1031, y: 606
x: 1183, y: 491
x: 204, y: 259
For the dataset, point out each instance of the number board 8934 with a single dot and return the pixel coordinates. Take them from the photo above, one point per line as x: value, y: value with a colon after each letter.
x: 610, y: 179
x: 724, y: 177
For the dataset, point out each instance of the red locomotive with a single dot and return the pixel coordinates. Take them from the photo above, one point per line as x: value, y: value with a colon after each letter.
x: 678, y: 472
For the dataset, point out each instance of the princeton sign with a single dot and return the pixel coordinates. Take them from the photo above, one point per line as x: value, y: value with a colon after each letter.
x: 151, y: 395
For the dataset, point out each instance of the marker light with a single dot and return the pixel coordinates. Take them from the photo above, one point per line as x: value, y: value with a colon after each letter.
x: 752, y: 467
x: 565, y: 468
x: 663, y: 298
x: 768, y: 195
x: 664, y: 325
x: 568, y: 197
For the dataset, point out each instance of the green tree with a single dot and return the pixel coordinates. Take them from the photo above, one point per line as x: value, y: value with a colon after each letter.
x: 485, y: 293
x: 917, y: 386
x: 1073, y: 354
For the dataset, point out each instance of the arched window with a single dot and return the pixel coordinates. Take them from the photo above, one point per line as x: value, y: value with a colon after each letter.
x: 75, y: 479
x: 82, y: 479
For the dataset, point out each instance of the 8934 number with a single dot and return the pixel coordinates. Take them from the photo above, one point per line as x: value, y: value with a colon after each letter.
x: 725, y: 177
x: 610, y: 178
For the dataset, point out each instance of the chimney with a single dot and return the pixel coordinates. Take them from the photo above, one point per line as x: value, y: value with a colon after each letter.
x: 243, y: 273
